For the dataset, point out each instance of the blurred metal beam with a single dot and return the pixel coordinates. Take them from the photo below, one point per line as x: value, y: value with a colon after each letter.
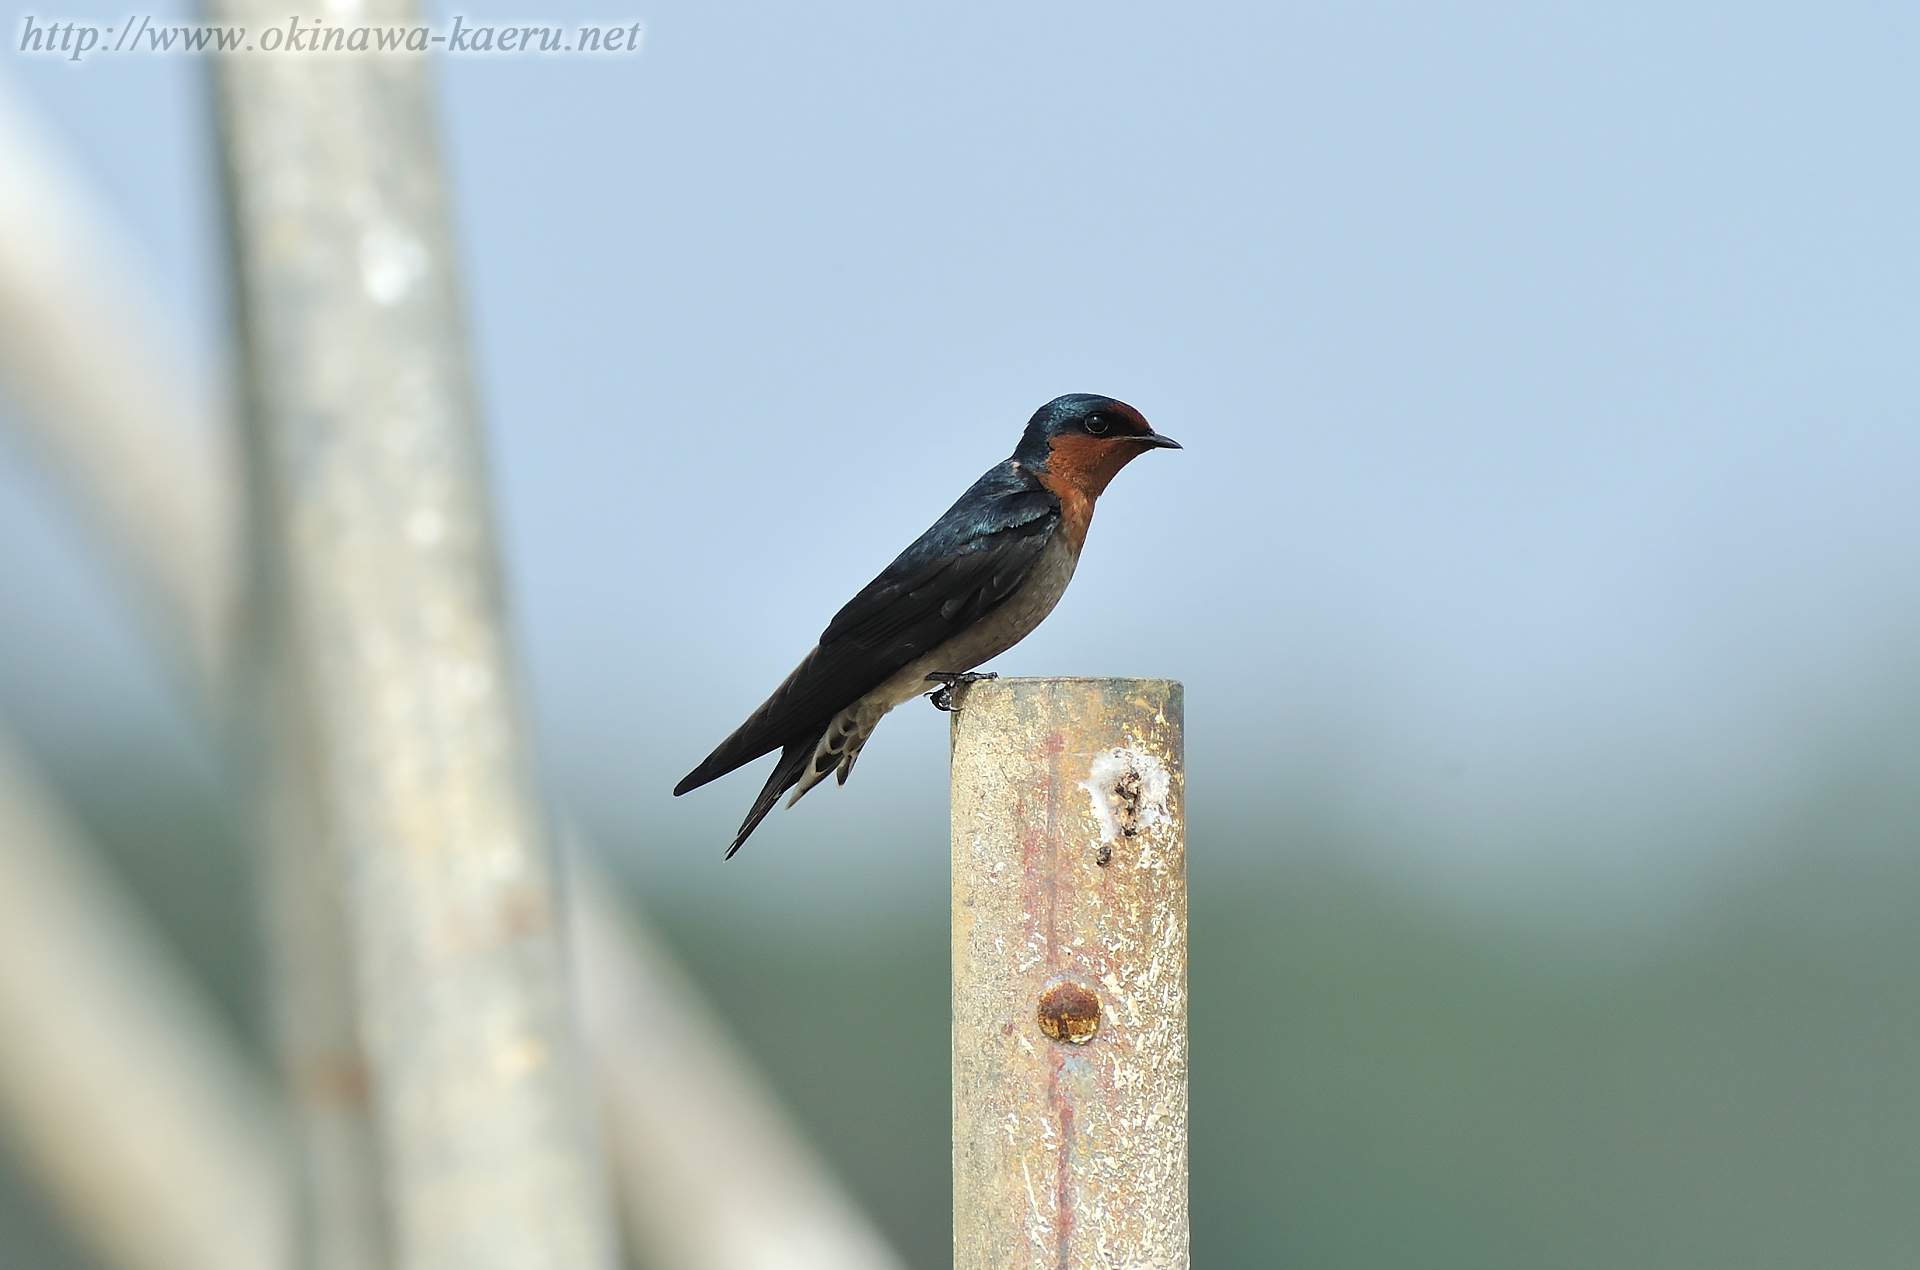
x: 118, y: 1086
x: 99, y: 397
x: 102, y: 397
x: 365, y: 439
x: 340, y: 1213
x: 1069, y: 976
x: 714, y: 1174
x: 711, y: 1171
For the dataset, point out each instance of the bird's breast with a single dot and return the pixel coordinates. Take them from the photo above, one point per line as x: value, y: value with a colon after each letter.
x: 993, y: 634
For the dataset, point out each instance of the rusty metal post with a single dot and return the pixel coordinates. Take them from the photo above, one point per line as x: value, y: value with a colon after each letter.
x: 1069, y: 976
x: 365, y: 440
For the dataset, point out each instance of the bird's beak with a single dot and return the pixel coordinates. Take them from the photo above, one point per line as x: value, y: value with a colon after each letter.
x: 1154, y: 441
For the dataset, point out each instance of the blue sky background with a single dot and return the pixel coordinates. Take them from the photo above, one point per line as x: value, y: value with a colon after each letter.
x: 1547, y: 377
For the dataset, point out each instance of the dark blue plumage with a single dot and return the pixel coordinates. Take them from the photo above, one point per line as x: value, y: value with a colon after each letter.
x: 968, y: 588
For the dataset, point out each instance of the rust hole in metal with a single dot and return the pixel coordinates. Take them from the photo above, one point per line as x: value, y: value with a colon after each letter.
x: 1069, y: 1014
x: 1126, y: 797
x: 1103, y: 855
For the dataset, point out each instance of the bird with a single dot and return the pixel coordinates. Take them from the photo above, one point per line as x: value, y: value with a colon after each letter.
x: 972, y: 586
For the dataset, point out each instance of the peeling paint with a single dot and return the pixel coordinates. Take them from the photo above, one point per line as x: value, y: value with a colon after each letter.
x: 1128, y: 789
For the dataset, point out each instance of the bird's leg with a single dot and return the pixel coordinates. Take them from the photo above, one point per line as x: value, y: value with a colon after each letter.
x: 942, y: 697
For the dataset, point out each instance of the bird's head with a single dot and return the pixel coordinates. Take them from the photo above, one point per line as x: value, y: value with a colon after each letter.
x: 1083, y: 439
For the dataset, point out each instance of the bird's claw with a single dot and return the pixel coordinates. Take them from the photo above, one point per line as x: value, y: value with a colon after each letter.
x: 942, y: 697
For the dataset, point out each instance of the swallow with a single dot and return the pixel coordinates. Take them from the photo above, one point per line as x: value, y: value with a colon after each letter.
x: 967, y: 590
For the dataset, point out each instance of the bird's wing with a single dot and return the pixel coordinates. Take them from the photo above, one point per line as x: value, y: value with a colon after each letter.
x: 961, y: 569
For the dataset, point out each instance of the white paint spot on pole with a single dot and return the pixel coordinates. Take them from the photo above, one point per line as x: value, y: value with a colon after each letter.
x: 1128, y: 787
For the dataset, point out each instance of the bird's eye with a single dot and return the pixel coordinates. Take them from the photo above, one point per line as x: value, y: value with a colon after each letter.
x: 1098, y: 425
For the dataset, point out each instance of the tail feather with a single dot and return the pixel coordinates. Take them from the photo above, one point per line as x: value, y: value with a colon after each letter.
x: 785, y: 775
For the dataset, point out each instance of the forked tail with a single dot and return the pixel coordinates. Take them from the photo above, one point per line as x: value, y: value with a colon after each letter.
x: 785, y: 775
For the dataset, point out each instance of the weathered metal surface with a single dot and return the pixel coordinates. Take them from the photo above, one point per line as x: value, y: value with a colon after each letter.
x: 365, y: 447
x: 1069, y: 976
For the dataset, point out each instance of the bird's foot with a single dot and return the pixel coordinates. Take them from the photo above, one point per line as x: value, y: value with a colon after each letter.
x: 942, y: 697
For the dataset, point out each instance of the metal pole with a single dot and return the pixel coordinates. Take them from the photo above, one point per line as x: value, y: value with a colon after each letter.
x: 1069, y: 976
x: 340, y: 1214
x: 118, y: 1085
x: 366, y: 435
x: 100, y: 394
x: 153, y: 468
x: 714, y: 1174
